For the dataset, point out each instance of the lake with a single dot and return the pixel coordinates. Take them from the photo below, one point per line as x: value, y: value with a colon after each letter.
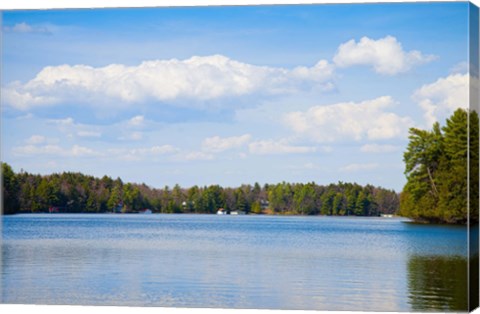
x: 272, y: 262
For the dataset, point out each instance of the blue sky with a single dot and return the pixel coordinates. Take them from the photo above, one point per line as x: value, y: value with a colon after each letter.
x: 229, y: 95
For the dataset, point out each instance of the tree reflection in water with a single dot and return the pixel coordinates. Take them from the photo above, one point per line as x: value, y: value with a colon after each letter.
x: 438, y: 283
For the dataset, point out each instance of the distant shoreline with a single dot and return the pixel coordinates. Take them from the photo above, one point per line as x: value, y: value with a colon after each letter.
x: 209, y: 214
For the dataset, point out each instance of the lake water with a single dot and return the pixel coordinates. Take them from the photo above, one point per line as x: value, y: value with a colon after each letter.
x: 274, y: 262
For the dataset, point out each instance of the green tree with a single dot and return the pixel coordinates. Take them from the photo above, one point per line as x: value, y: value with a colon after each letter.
x: 362, y: 205
x: 256, y: 207
x: 422, y: 159
x: 280, y: 197
x: 338, y: 206
x: 114, y: 199
x: 474, y: 172
x: 304, y: 199
x: 351, y: 202
x: 47, y: 194
x: 10, y: 190
x: 327, y: 203
x: 240, y: 200
x: 436, y: 166
x: 452, y: 177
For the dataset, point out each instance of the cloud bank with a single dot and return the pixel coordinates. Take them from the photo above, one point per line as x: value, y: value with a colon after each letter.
x: 200, y: 80
x: 193, y: 80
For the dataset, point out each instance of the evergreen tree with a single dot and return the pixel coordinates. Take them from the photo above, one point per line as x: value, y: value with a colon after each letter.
x: 10, y: 190
x: 76, y: 192
x: 436, y: 166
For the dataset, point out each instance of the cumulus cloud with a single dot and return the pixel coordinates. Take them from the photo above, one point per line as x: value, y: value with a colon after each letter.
x: 440, y: 98
x: 349, y: 121
x: 359, y: 167
x: 377, y: 148
x: 385, y: 55
x: 21, y: 98
x: 267, y: 147
x: 193, y: 80
x: 217, y: 144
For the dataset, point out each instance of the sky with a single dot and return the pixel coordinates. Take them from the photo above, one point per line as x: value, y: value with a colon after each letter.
x: 229, y: 95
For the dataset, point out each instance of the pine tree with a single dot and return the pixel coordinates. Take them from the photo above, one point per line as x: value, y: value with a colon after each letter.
x: 436, y: 166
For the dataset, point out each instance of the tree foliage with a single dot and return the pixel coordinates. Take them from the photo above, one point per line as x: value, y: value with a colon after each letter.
x: 75, y: 192
x: 436, y: 167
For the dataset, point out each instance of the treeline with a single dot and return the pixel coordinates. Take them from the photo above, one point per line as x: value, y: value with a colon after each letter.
x: 78, y: 193
x: 437, y: 163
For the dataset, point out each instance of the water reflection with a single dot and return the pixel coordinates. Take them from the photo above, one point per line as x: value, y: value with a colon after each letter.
x: 474, y: 276
x: 438, y: 283
x: 296, y: 263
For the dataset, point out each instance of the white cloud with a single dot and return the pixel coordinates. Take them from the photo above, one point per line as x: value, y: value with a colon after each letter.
x: 78, y: 151
x: 459, y: 68
x: 137, y: 154
x: 350, y: 121
x: 136, y: 121
x: 197, y: 156
x: 89, y: 134
x: 306, y: 166
x: 218, y: 144
x: 26, y: 28
x: 267, y: 147
x: 54, y: 150
x: 71, y: 129
x: 385, y: 55
x: 154, y: 150
x: 377, y: 148
x: 20, y: 98
x: 64, y: 122
x: 136, y: 136
x: 36, y: 139
x: 359, y: 167
x: 30, y: 149
x: 440, y: 98
x: 133, y: 136
x: 196, y: 79
x: 164, y: 149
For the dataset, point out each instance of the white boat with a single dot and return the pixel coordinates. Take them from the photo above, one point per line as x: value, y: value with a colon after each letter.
x: 221, y: 211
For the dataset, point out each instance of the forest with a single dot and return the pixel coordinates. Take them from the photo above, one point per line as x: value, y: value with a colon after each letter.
x: 442, y: 171
x: 441, y: 168
x: 78, y: 193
